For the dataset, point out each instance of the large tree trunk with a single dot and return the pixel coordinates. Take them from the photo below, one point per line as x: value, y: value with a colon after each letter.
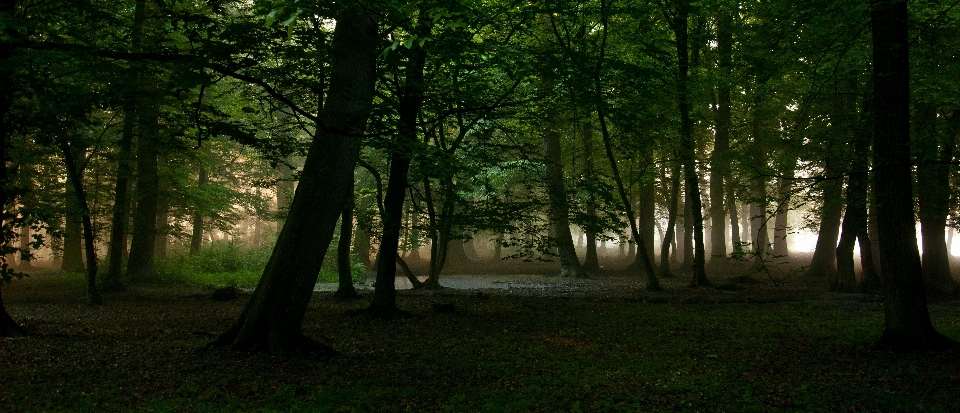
x: 907, y: 320
x: 75, y: 175
x: 273, y: 318
x: 933, y: 179
x: 73, y: 230
x: 140, y: 265
x: 719, y: 164
x: 687, y: 150
x: 825, y: 255
x: 557, y: 195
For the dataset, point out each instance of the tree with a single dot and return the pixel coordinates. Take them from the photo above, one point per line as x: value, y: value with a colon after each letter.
x: 907, y: 323
x: 273, y: 317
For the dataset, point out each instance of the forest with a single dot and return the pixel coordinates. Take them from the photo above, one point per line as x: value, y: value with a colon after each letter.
x: 494, y: 205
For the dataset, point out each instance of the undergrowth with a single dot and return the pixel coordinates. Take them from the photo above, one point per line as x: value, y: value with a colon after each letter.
x: 226, y: 264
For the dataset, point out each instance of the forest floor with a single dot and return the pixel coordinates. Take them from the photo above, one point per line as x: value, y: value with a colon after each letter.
x: 528, y: 343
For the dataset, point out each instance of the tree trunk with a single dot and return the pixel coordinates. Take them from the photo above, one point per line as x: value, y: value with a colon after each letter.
x: 687, y: 149
x: 591, y: 262
x: 196, y: 238
x: 121, y: 203
x: 731, y: 203
x: 933, y: 193
x: 719, y: 164
x: 273, y: 318
x: 669, y: 233
x: 870, y: 245
x: 822, y: 265
x: 140, y: 265
x: 780, y: 230
x: 557, y: 195
x: 73, y: 229
x: 685, y: 240
x: 75, y: 175
x: 345, y: 288
x: 163, y: 228
x: 854, y: 220
x: 384, y: 303
x: 907, y: 320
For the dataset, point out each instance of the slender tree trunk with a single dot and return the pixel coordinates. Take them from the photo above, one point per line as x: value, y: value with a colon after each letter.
x: 384, y: 303
x: 822, y: 265
x: 671, y: 222
x: 273, y: 318
x: 685, y: 240
x: 854, y: 220
x: 345, y: 289
x: 648, y: 208
x: 870, y: 245
x: 196, y: 239
x: 163, y: 228
x: 907, y: 320
x: 687, y: 150
x: 933, y: 181
x: 121, y: 203
x: 653, y: 283
x: 718, y: 160
x: 780, y: 230
x: 731, y: 203
x: 591, y: 262
x: 75, y: 175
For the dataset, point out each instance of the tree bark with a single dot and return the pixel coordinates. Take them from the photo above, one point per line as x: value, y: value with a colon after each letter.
x: 907, y: 323
x: 687, y: 150
x: 140, y: 265
x: 719, y: 164
x: 121, y: 203
x: 854, y: 220
x: 591, y: 262
x: 669, y: 233
x: 384, y: 302
x: 196, y: 237
x: 780, y: 230
x: 75, y: 175
x: 653, y: 283
x: 273, y: 318
x: 557, y: 195
x: 822, y: 265
x: 345, y: 288
x: 73, y: 229
x: 933, y: 193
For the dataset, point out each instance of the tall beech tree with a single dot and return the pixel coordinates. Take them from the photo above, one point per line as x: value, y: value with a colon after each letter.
x: 907, y: 323
x: 273, y: 318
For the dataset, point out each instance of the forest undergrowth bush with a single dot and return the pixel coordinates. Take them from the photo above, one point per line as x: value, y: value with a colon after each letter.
x: 226, y: 264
